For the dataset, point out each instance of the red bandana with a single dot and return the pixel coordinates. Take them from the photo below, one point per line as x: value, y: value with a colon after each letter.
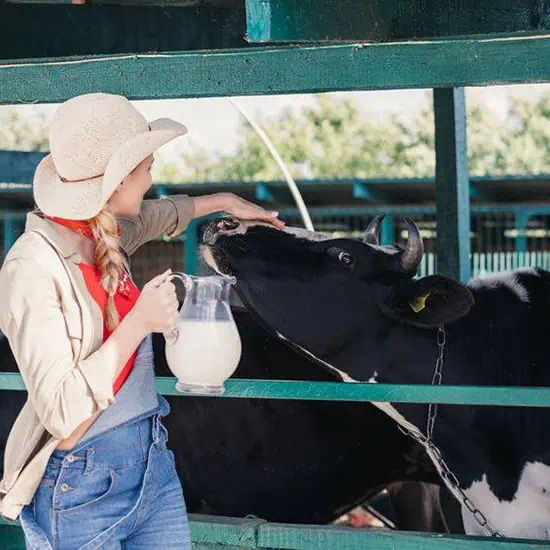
x: 83, y: 227
x: 80, y: 226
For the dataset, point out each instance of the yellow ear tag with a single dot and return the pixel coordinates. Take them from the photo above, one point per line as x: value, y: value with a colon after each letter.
x: 418, y: 304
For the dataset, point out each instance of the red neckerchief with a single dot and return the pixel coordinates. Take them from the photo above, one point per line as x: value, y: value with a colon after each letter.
x: 83, y: 227
x: 80, y: 226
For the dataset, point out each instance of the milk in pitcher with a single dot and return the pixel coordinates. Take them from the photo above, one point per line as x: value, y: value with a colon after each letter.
x: 204, y: 355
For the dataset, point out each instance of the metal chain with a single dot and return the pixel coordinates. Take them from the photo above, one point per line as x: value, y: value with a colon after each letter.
x: 427, y: 442
x: 436, y: 380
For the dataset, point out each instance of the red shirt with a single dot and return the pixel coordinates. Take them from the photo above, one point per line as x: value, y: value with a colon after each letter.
x: 123, y: 304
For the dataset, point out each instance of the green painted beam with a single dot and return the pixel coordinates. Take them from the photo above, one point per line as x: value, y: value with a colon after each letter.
x: 279, y: 70
x: 337, y: 391
x: 387, y: 232
x: 522, y: 218
x: 416, y: 210
x: 477, y: 194
x: 362, y: 191
x: 209, y: 532
x: 57, y: 30
x: 190, y: 252
x: 19, y: 166
x: 275, y: 194
x: 276, y: 21
x: 342, y: 538
x: 452, y: 185
x: 9, y: 233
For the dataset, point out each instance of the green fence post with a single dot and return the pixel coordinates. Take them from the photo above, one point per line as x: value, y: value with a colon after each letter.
x: 522, y: 218
x: 191, y: 248
x: 387, y: 235
x: 9, y: 233
x: 452, y: 187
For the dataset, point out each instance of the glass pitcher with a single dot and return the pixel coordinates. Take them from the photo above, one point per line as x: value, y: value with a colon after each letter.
x: 204, y: 349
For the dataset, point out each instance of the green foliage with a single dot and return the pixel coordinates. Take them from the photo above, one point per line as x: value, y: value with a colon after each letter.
x: 18, y: 133
x: 335, y: 139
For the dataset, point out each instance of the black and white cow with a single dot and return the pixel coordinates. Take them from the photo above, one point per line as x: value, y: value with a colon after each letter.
x: 284, y: 461
x: 356, y: 307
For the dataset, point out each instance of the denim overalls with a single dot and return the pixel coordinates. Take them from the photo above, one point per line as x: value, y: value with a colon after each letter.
x: 118, y: 488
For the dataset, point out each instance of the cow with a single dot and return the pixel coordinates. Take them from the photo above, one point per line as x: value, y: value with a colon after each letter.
x: 283, y: 461
x: 358, y: 309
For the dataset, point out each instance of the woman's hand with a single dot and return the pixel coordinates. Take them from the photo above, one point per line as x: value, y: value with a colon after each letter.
x: 237, y: 206
x: 157, y: 305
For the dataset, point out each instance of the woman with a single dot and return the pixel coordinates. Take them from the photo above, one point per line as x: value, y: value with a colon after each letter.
x: 86, y: 462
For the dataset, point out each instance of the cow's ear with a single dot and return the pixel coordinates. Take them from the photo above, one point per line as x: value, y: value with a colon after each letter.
x: 428, y: 302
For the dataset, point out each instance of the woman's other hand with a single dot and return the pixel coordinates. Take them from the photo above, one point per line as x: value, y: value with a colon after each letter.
x: 246, y: 210
x: 237, y: 206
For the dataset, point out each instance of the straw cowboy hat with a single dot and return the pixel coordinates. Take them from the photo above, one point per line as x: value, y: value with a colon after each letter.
x: 96, y: 140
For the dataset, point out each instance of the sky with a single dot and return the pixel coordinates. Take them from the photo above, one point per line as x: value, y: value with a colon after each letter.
x: 213, y: 122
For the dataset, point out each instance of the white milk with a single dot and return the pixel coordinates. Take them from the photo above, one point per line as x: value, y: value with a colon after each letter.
x: 205, y: 353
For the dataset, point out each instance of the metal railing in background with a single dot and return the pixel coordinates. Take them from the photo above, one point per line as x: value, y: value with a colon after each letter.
x: 502, y: 237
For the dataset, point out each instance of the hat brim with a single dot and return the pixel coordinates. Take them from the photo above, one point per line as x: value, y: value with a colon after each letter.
x: 85, y: 199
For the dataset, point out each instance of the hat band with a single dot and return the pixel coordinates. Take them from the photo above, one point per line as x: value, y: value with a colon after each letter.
x: 65, y: 180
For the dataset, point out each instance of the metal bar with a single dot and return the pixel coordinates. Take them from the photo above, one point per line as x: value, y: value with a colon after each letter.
x: 521, y: 227
x: 280, y: 70
x: 55, y: 30
x: 413, y: 209
x: 277, y: 21
x: 510, y: 396
x: 387, y: 232
x: 19, y: 166
x: 327, y: 538
x: 452, y: 187
x: 9, y: 233
x: 211, y: 532
x: 190, y: 250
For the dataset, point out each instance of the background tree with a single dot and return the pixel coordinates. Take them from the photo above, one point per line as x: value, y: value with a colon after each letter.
x: 18, y: 133
x: 335, y: 139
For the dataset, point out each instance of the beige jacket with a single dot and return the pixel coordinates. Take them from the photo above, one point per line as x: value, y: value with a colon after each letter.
x: 55, y: 330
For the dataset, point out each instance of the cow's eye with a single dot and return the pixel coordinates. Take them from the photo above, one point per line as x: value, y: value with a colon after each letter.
x: 345, y: 258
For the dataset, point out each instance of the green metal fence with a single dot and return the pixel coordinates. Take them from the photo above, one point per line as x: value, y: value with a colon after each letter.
x: 511, y: 245
x: 499, y: 242
x: 502, y: 237
x: 210, y: 532
x: 443, y: 63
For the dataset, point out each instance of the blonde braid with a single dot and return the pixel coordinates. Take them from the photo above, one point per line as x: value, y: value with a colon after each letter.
x: 109, y: 260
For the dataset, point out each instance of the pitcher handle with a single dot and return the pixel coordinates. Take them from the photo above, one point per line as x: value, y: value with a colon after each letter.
x: 171, y: 336
x: 183, y: 277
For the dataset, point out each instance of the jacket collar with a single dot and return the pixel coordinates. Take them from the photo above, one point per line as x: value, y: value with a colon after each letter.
x: 47, y: 228
x: 65, y: 247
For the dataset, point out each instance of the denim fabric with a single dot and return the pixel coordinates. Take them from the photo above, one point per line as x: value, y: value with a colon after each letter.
x: 136, y: 398
x: 120, y: 490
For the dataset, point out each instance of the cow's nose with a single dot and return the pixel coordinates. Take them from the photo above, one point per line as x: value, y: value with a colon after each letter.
x: 227, y: 224
x: 219, y: 227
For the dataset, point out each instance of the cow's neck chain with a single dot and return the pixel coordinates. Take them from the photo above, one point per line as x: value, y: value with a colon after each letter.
x: 427, y: 442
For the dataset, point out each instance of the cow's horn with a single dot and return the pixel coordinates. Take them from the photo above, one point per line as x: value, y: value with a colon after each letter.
x: 372, y: 233
x: 414, y: 250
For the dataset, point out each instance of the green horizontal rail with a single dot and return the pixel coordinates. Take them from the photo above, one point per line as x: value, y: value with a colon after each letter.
x: 280, y: 70
x: 511, y: 396
x: 232, y: 533
x: 411, y: 209
x: 275, y: 21
x: 414, y: 209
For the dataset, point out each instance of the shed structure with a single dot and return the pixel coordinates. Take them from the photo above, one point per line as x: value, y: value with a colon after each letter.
x: 160, y: 49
